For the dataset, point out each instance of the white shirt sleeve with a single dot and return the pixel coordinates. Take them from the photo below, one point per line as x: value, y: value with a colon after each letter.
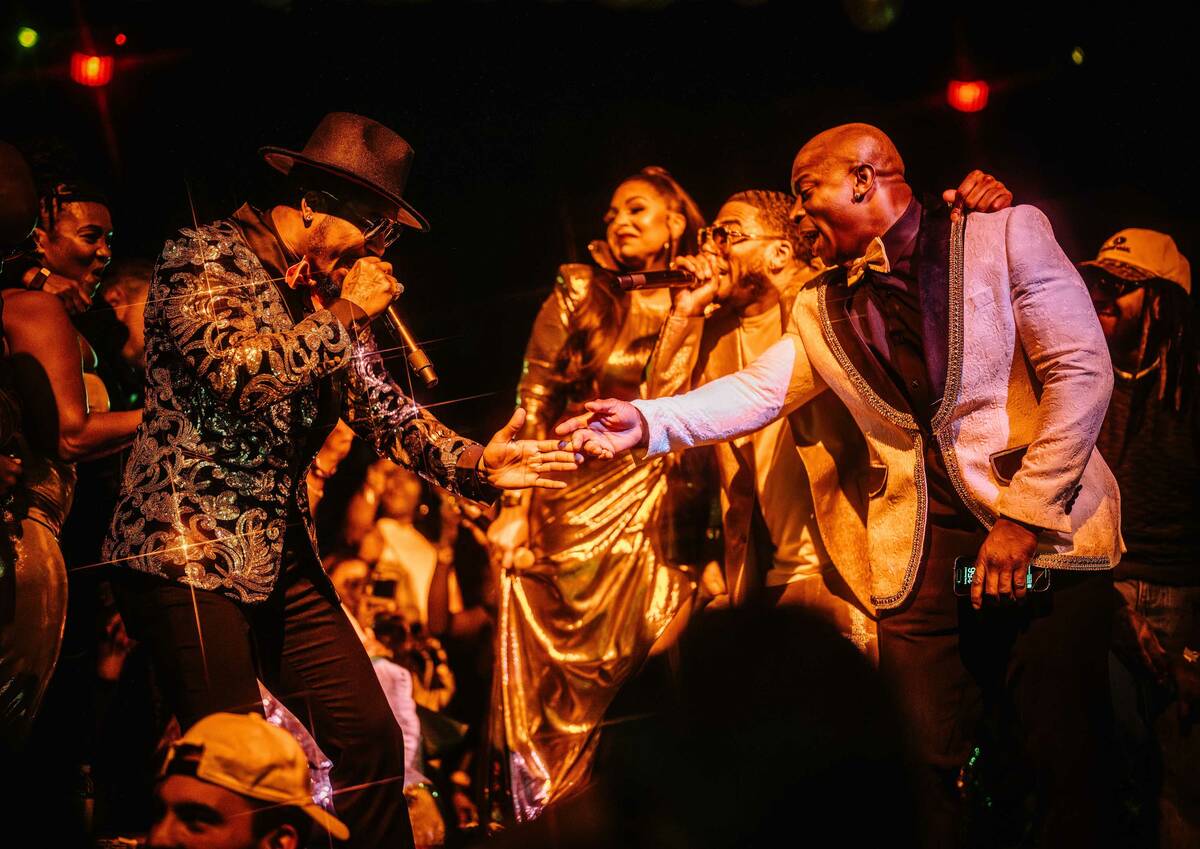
x: 741, y: 403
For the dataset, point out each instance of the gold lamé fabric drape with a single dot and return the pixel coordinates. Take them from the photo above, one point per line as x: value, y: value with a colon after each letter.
x: 575, y: 625
x: 33, y: 587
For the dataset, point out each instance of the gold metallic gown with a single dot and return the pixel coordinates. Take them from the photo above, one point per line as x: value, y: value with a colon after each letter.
x: 578, y: 622
x: 33, y: 586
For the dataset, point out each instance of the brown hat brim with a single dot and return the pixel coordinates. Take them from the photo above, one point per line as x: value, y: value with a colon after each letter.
x: 336, y: 828
x: 282, y: 161
x: 1124, y: 270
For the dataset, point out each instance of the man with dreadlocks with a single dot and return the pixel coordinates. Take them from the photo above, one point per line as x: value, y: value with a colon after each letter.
x: 1141, y: 285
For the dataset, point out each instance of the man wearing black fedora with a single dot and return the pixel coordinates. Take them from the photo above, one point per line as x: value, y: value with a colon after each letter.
x: 257, y: 342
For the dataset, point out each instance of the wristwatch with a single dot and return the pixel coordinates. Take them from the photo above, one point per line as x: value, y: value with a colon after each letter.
x: 39, y: 278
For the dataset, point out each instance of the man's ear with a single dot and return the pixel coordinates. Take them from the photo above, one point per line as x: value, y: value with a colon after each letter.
x: 283, y: 837
x: 778, y: 255
x: 40, y: 238
x: 864, y: 180
x: 1155, y: 303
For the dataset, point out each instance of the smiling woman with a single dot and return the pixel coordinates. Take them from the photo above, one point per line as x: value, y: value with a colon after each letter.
x: 61, y: 425
x: 73, y: 242
x: 585, y: 588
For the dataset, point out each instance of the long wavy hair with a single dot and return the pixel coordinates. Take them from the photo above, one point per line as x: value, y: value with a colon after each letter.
x: 601, y: 314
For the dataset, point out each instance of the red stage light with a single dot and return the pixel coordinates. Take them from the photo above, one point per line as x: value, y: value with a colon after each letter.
x: 967, y: 96
x: 91, y: 70
x: 120, y: 39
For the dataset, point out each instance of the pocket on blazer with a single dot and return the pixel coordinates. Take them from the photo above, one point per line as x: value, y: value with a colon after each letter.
x: 1006, y: 463
x: 876, y: 480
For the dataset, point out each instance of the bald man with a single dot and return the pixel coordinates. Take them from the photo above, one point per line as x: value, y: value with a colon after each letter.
x: 968, y: 354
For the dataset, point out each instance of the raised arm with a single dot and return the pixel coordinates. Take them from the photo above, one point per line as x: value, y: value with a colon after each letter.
x: 1062, y: 339
x: 677, y: 350
x: 211, y: 296
x: 47, y: 374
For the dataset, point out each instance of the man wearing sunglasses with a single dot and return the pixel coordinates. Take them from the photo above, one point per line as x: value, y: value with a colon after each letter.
x: 1141, y: 287
x: 752, y: 261
x: 257, y: 343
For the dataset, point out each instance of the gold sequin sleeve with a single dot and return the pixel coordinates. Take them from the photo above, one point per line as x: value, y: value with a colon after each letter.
x: 543, y: 388
x: 211, y: 294
x: 381, y: 414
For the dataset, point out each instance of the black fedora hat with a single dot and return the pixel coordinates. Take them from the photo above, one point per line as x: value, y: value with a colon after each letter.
x: 359, y: 150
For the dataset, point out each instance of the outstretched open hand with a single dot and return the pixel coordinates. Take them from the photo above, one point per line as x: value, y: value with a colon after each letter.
x: 512, y: 463
x: 608, y: 428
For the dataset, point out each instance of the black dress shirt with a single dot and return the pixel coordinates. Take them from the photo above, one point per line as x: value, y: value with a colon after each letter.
x: 885, y: 312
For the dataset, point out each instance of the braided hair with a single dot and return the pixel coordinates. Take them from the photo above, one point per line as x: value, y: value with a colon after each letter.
x: 1167, y: 346
x: 775, y: 214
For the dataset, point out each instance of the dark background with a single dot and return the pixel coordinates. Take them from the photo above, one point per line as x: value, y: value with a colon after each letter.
x: 525, y: 115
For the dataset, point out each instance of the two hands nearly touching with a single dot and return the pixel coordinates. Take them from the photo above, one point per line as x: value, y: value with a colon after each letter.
x: 609, y: 426
x: 507, y: 462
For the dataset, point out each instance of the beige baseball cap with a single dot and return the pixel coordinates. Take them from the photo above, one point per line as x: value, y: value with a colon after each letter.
x: 250, y: 756
x: 1135, y: 254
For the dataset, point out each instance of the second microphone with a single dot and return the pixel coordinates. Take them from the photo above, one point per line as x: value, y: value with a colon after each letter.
x: 674, y: 279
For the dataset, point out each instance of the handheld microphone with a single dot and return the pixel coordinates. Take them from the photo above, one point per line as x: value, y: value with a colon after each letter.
x: 675, y: 279
x: 417, y: 360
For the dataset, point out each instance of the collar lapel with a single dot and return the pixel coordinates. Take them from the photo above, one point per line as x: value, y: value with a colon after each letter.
x: 932, y: 273
x: 940, y: 288
x: 851, y: 351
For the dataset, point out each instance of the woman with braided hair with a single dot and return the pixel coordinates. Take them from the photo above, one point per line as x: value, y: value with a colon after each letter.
x: 59, y: 427
x: 585, y: 587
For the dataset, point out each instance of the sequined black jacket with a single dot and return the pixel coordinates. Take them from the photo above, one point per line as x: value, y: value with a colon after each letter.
x: 237, y: 398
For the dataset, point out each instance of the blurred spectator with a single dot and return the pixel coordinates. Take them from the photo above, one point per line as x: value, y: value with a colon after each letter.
x: 125, y: 289
x: 397, y: 550
x: 351, y: 578
x: 422, y: 655
x: 235, y: 782
x: 1141, y: 288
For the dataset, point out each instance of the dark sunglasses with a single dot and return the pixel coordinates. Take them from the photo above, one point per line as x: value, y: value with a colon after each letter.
x: 384, y: 231
x: 723, y: 237
x: 1110, y: 285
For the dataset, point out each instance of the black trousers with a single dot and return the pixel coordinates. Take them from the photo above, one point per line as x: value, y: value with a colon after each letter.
x: 1041, y: 666
x: 208, y: 650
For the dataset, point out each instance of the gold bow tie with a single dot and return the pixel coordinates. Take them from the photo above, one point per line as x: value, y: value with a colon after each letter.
x: 875, y: 259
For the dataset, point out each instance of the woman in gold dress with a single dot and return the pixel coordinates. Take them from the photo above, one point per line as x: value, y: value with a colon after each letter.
x: 580, y: 615
x: 60, y: 424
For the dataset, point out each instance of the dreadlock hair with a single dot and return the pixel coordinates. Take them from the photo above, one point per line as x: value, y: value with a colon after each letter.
x: 1168, y: 346
x: 54, y: 197
x: 601, y: 313
x: 775, y: 214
